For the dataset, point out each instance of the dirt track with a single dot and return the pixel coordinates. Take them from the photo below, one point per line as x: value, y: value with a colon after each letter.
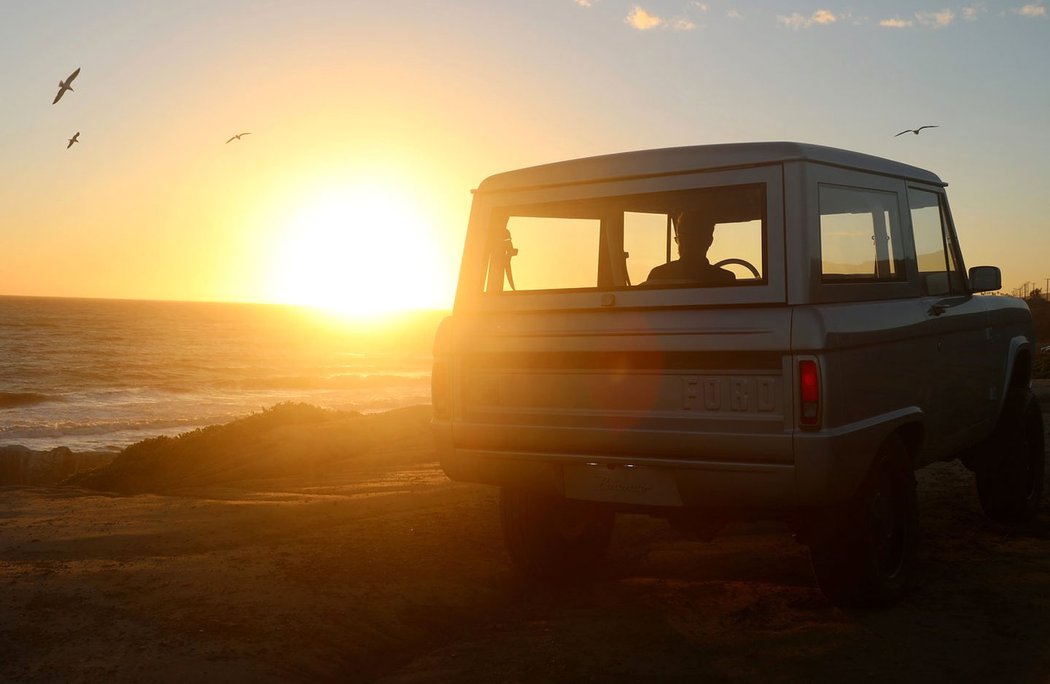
x: 400, y: 576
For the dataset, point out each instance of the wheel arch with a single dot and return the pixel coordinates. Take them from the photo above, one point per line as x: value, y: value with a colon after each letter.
x: 1020, y: 376
x: 1017, y: 374
x: 911, y: 436
x: 899, y: 448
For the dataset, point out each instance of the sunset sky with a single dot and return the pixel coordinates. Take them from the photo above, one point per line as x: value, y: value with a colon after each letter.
x: 371, y: 122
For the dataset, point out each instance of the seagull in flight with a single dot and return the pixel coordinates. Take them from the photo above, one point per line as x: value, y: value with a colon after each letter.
x: 238, y: 137
x: 915, y: 130
x: 65, y: 85
x: 73, y: 140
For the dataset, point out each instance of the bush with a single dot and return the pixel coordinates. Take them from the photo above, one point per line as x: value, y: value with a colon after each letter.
x: 288, y: 440
x: 1041, y: 366
x: 1040, y: 309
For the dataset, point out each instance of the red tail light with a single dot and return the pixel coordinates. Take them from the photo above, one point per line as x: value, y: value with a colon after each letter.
x: 809, y: 393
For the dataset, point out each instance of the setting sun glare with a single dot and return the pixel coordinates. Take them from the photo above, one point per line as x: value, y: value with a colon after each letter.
x: 361, y: 251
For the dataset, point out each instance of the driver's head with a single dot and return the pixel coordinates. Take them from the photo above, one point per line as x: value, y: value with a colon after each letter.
x: 696, y: 232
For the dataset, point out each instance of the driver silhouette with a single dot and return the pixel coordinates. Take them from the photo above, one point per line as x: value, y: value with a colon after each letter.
x: 694, y: 234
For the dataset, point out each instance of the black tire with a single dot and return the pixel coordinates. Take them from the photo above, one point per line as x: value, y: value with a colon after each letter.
x: 1010, y: 482
x: 551, y: 539
x: 866, y: 558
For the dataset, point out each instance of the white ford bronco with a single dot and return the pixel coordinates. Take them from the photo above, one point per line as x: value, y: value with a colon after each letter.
x: 730, y: 332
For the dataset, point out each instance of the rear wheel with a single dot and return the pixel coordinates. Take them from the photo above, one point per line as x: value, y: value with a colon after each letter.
x: 553, y: 539
x: 867, y: 556
x: 1010, y: 481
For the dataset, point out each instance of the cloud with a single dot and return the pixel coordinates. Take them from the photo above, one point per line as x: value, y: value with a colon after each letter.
x: 797, y: 21
x: 824, y: 17
x: 584, y: 3
x: 896, y: 23
x: 935, y: 19
x: 699, y: 6
x: 642, y: 20
x: 1031, y: 11
x: 971, y: 12
x: 733, y: 14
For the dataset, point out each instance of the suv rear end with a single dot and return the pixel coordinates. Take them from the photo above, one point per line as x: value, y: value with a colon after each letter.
x: 578, y: 378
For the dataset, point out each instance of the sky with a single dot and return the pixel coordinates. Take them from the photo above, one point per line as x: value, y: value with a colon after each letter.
x: 370, y: 122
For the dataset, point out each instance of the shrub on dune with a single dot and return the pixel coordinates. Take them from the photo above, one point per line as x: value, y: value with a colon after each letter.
x: 286, y: 440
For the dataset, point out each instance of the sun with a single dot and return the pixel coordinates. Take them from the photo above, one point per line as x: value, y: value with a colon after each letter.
x: 362, y: 251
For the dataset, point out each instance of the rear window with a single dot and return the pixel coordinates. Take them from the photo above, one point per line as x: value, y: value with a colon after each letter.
x: 712, y: 237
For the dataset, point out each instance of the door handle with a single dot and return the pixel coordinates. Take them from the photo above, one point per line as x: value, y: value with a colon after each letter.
x: 937, y: 310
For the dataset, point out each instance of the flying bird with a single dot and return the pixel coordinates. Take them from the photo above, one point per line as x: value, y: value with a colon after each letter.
x: 238, y: 137
x: 915, y: 130
x: 73, y: 140
x: 65, y: 85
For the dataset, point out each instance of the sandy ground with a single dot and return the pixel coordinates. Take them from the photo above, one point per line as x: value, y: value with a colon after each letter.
x: 394, y: 574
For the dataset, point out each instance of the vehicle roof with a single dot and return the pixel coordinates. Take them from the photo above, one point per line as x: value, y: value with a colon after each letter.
x: 677, y: 160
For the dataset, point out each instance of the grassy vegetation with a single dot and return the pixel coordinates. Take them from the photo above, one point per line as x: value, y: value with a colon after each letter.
x: 288, y: 440
x: 1041, y: 367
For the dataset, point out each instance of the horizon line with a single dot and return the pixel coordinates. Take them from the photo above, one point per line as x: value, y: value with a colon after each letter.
x: 317, y: 307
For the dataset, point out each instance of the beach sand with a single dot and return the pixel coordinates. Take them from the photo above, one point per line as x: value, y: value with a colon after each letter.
x: 366, y: 564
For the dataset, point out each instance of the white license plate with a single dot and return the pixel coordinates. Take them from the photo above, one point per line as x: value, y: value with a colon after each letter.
x: 621, y: 484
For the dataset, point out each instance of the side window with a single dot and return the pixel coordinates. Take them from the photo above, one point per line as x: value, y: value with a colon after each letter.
x: 860, y: 235
x: 939, y: 271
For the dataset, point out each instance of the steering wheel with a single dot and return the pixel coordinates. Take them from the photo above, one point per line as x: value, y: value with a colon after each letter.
x: 739, y: 262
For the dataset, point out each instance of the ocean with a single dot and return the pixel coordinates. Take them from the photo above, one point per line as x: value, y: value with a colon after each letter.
x: 99, y: 375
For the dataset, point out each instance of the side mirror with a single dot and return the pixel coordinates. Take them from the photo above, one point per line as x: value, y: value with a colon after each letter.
x: 985, y: 279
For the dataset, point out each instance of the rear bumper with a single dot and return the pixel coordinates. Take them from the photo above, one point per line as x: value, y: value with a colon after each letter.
x: 826, y: 467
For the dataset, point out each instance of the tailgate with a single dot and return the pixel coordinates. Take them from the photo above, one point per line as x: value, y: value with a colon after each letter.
x: 704, y: 384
